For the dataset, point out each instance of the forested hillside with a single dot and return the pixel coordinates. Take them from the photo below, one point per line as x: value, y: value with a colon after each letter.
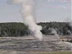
x: 19, y: 29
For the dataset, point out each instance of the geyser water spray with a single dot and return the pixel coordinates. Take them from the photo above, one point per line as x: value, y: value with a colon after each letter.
x: 27, y: 11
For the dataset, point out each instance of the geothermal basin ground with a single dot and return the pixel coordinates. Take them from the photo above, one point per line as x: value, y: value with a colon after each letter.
x: 29, y: 45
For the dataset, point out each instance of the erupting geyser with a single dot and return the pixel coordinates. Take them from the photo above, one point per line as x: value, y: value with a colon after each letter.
x: 27, y: 12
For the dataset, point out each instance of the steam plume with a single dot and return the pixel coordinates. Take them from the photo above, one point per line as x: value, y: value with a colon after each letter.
x: 55, y: 33
x: 28, y: 17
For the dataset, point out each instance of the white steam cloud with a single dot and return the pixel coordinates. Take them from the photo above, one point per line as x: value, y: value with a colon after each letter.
x: 27, y: 12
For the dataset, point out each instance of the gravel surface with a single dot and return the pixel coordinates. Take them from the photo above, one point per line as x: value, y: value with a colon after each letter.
x: 22, y: 45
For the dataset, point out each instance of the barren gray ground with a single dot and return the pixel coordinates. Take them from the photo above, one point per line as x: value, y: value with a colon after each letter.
x: 26, y: 45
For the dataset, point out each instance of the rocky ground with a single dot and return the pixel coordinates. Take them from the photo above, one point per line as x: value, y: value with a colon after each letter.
x: 27, y: 45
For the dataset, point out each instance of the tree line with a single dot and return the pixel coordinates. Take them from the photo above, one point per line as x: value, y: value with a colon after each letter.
x: 20, y: 29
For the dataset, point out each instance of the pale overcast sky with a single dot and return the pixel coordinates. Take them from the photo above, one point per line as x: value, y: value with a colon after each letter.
x: 46, y: 10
